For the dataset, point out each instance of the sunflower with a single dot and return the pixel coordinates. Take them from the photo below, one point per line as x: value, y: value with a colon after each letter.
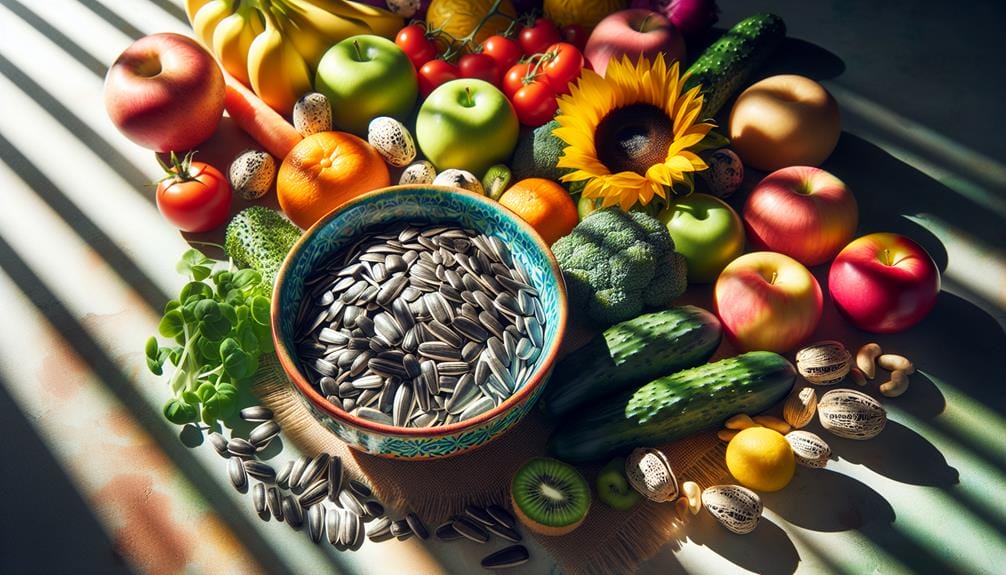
x: 628, y: 134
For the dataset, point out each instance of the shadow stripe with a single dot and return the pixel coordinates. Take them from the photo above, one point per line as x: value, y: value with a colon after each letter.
x: 88, y: 231
x: 165, y: 434
x: 101, y: 148
x: 75, y: 50
x: 177, y: 12
x: 106, y: 14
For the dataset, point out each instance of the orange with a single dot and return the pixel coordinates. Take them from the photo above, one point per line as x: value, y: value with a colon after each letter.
x: 545, y: 205
x: 324, y: 171
x: 459, y: 17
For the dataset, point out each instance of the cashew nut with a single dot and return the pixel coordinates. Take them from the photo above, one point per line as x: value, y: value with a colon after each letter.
x: 740, y: 421
x: 866, y: 358
x: 892, y: 362
x: 773, y: 423
x: 726, y: 434
x: 693, y: 493
x: 897, y: 385
x: 857, y: 376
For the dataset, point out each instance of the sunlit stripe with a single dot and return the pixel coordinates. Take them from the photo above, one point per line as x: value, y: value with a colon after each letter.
x: 849, y: 549
x: 968, y: 253
x: 962, y: 157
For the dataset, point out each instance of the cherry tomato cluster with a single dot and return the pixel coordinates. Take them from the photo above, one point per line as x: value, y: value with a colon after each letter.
x: 532, y: 69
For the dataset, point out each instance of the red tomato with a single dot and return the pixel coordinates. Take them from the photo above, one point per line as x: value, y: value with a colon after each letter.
x: 481, y: 66
x: 575, y: 34
x: 537, y: 38
x: 563, y: 63
x: 535, y: 104
x: 435, y: 73
x: 199, y: 200
x: 416, y: 44
x: 505, y: 51
x: 515, y: 78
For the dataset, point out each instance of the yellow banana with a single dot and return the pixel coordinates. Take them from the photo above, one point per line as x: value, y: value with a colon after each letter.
x: 207, y: 17
x: 276, y: 71
x: 381, y: 22
x: 193, y: 6
x: 232, y: 38
x: 313, y: 30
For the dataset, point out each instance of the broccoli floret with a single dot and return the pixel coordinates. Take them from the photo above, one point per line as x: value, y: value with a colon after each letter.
x: 259, y: 238
x: 615, y: 262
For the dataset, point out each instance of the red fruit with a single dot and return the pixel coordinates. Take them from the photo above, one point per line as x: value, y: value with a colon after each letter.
x: 416, y: 44
x: 535, y: 39
x: 435, y: 73
x: 505, y: 51
x: 535, y: 104
x: 481, y: 66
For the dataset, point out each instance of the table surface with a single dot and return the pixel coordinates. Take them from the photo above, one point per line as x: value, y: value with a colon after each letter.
x: 97, y: 481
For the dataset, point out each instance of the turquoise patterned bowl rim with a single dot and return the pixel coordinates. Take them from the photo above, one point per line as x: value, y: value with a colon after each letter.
x: 437, y: 204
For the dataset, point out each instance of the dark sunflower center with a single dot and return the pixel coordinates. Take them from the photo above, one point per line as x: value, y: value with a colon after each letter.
x: 633, y: 138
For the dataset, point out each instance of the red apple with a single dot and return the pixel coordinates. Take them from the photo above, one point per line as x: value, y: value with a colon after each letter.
x: 884, y: 282
x: 767, y: 301
x: 803, y: 212
x: 165, y: 92
x: 633, y: 32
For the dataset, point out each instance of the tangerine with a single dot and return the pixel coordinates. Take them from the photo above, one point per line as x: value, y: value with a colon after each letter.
x: 543, y: 204
x: 324, y: 171
x: 761, y: 458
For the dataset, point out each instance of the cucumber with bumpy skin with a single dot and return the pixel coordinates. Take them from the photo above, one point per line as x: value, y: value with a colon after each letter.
x: 731, y: 61
x: 675, y: 406
x: 632, y: 352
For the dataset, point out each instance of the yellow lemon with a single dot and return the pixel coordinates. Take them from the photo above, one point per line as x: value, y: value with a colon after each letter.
x: 761, y: 459
x: 586, y: 13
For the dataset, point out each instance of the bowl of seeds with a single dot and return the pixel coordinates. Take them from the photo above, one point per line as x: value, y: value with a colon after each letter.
x: 419, y: 322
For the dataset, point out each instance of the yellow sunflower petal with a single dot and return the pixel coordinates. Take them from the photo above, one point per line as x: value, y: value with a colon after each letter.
x: 698, y: 164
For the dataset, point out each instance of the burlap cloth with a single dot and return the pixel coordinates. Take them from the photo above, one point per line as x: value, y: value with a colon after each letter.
x: 608, y: 541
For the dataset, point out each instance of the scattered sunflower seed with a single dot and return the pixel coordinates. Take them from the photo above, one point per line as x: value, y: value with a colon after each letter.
x: 507, y: 557
x: 256, y: 413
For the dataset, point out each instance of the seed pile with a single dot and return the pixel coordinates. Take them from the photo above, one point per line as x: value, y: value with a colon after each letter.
x: 478, y: 524
x: 307, y: 493
x: 418, y: 325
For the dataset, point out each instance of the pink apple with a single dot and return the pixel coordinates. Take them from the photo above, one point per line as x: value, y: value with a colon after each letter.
x: 803, y: 212
x: 767, y: 301
x: 884, y: 282
x: 165, y: 92
x: 633, y: 32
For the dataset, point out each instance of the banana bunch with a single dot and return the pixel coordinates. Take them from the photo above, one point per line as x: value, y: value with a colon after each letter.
x: 274, y: 46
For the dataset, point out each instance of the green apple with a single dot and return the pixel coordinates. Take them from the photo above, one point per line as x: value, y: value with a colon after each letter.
x: 363, y: 77
x: 467, y: 124
x: 707, y: 231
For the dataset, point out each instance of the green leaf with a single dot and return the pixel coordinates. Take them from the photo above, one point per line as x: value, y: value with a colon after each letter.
x: 190, y: 259
x: 213, y: 325
x: 242, y: 312
x: 713, y: 141
x: 264, y: 335
x: 172, y: 305
x: 222, y: 403
x: 199, y: 273
x: 208, y: 350
x: 195, y: 291
x: 246, y: 277
x: 151, y: 348
x: 222, y: 276
x: 237, y: 363
x: 260, y: 310
x: 246, y: 336
x: 227, y: 311
x: 191, y: 397
x: 155, y: 356
x: 179, y: 412
x: 172, y: 325
x: 179, y: 380
x: 205, y: 391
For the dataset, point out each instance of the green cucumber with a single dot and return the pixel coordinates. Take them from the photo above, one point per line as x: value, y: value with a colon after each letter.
x: 675, y: 406
x: 631, y: 353
x: 731, y: 61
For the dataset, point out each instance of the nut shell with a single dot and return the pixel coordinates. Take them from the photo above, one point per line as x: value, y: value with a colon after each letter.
x: 810, y: 450
x: 800, y: 407
x: 392, y: 140
x: 649, y: 473
x: 824, y: 362
x: 312, y: 114
x: 421, y: 172
x: 736, y: 508
x: 252, y: 173
x: 459, y: 179
x: 851, y: 414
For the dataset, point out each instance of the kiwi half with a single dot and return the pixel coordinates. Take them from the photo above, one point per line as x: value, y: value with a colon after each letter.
x: 550, y: 497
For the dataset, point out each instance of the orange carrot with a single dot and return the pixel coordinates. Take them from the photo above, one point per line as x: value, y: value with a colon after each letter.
x: 261, y: 122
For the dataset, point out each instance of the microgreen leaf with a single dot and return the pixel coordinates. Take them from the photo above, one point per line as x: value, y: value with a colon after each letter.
x: 260, y: 310
x: 172, y: 324
x: 179, y: 412
x: 246, y: 277
x: 195, y: 291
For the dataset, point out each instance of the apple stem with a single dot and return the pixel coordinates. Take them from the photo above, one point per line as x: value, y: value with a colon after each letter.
x: 359, y: 51
x: 468, y: 97
x: 886, y: 257
x: 644, y: 23
x: 775, y: 276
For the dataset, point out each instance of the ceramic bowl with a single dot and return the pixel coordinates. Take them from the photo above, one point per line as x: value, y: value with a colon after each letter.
x: 436, y: 205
